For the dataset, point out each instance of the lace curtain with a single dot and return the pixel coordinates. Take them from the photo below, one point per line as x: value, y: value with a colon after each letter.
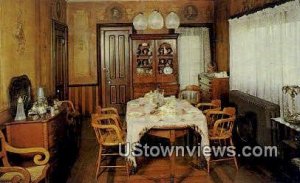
x: 194, y: 54
x: 265, y: 52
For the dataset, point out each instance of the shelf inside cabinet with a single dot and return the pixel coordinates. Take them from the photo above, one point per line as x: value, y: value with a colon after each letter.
x: 144, y: 56
x: 166, y: 56
x: 147, y: 67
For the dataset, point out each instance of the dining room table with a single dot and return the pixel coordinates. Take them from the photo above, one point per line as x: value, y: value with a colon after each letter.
x: 153, y: 112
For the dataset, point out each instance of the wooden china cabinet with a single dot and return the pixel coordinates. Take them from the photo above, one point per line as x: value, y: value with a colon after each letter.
x: 155, y: 63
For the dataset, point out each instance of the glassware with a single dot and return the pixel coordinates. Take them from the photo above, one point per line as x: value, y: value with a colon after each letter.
x: 40, y: 93
x: 20, y: 110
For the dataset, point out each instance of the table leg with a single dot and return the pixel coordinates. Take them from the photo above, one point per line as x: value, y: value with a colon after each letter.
x: 273, y: 132
x: 173, y: 157
x: 133, y: 170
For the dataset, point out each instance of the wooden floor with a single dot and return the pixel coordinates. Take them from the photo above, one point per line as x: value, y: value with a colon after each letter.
x: 157, y: 170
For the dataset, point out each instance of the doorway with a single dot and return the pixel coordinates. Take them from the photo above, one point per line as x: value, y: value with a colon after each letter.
x: 115, y: 66
x: 60, y: 59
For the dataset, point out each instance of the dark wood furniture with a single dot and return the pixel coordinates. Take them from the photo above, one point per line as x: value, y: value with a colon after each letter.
x: 52, y: 134
x: 286, y: 137
x: 213, y: 88
x: 155, y: 63
x: 284, y: 131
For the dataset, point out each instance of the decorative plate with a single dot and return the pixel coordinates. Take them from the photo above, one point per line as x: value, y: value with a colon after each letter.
x: 168, y: 70
x: 189, y: 12
x: 115, y: 12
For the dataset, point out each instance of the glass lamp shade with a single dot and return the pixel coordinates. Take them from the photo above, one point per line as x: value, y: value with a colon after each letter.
x: 140, y: 22
x: 40, y: 93
x: 155, y: 20
x: 172, y: 21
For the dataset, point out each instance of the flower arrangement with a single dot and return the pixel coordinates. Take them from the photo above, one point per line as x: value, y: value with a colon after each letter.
x: 156, y: 97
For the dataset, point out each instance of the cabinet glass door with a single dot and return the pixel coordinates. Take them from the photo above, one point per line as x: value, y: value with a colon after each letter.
x: 166, y: 60
x: 143, y: 61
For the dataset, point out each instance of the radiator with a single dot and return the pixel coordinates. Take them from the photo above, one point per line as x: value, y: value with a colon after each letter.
x: 263, y: 109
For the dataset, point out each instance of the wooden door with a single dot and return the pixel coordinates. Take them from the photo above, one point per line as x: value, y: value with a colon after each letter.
x: 115, y: 67
x: 60, y: 59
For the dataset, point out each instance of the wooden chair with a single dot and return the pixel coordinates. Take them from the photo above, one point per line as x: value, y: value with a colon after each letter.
x: 74, y: 121
x: 72, y: 112
x: 214, y: 105
x: 107, y: 110
x: 109, y: 134
x: 212, y: 115
x: 18, y: 174
x: 222, y: 133
x: 113, y: 111
x: 191, y: 93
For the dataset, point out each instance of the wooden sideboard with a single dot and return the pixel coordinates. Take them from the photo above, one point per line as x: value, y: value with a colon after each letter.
x: 213, y: 88
x: 51, y: 133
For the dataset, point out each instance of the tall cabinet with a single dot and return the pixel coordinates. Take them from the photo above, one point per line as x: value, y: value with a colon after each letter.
x: 155, y: 63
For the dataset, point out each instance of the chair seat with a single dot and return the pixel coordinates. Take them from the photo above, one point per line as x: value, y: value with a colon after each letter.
x: 225, y: 135
x: 37, y: 173
x: 112, y: 139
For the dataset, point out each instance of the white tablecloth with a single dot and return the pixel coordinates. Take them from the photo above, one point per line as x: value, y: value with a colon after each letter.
x: 139, y: 121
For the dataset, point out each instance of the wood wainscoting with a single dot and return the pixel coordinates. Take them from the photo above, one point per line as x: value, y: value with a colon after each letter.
x: 84, y: 97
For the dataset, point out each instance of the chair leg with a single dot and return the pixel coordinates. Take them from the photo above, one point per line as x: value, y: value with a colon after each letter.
x: 208, y: 166
x: 234, y: 158
x: 235, y: 162
x: 127, y: 168
x: 99, y: 161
